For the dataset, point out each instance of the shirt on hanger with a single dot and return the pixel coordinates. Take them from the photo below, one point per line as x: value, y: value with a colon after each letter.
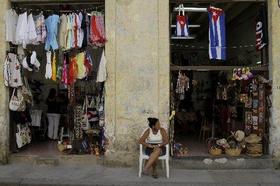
x: 51, y: 25
x: 11, y: 19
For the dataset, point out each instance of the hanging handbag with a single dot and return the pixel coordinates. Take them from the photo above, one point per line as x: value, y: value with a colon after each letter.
x: 26, y: 92
x: 17, y: 102
x: 85, y: 123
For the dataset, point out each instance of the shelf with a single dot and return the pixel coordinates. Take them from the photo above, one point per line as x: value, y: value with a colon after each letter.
x: 182, y: 38
x: 190, y: 26
x: 216, y: 68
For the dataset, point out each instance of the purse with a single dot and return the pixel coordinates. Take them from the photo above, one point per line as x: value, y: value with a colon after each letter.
x: 17, y: 102
x: 26, y: 92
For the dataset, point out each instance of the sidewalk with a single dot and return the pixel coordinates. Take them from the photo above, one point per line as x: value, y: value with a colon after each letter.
x: 25, y: 175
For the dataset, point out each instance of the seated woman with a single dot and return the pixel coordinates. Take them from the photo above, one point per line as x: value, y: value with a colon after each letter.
x: 154, y: 139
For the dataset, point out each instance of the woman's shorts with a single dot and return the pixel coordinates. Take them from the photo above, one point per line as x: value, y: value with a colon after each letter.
x: 148, y: 151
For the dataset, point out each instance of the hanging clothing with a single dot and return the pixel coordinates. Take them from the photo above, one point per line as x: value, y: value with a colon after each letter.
x: 22, y: 30
x: 40, y: 28
x: 11, y: 19
x: 70, y: 32
x: 54, y: 67
x: 182, y: 29
x: 81, y: 67
x: 102, y: 74
x: 12, y: 71
x: 51, y: 25
x: 48, y: 73
x: 217, y: 34
x: 31, y: 32
x: 80, y: 31
x: 73, y: 70
x: 97, y: 36
x: 63, y: 32
x: 84, y: 27
x: 182, y: 85
x: 64, y: 78
x: 36, y: 116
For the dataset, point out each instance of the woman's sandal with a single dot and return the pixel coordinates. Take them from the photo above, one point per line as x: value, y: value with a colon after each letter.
x: 155, y: 175
x: 145, y: 172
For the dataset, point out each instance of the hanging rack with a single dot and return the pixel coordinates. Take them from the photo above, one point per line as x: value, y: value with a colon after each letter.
x: 191, y: 9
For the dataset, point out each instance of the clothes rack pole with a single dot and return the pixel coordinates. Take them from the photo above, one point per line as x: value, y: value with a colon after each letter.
x: 191, y: 9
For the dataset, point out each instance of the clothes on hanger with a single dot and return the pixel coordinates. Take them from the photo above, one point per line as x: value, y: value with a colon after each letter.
x: 102, y: 73
x: 52, y: 28
x: 48, y: 73
x: 11, y: 20
x: 217, y: 33
x: 183, y: 85
x: 12, y: 71
x: 97, y: 31
x: 22, y: 30
x: 40, y: 28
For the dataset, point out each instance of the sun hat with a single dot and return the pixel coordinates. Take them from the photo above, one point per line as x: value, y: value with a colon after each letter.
x: 253, y: 138
x: 239, y: 135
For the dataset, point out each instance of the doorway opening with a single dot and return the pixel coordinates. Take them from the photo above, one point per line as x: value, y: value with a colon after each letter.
x: 219, y: 78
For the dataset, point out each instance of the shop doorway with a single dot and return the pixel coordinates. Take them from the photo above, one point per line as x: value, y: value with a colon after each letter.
x: 221, y: 96
x: 64, y: 104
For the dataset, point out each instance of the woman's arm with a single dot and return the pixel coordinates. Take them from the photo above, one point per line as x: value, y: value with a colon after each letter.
x: 165, y: 139
x: 143, y: 138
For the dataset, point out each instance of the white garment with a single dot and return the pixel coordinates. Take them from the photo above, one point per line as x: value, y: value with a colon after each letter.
x: 31, y: 32
x: 12, y: 74
x: 11, y: 19
x: 80, y: 30
x: 36, y: 117
x: 53, y: 125
x: 48, y: 73
x: 154, y: 138
x: 22, y: 30
x: 102, y: 74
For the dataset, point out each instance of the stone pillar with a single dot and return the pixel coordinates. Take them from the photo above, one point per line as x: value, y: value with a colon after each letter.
x: 274, y: 58
x: 138, y: 72
x: 4, y: 96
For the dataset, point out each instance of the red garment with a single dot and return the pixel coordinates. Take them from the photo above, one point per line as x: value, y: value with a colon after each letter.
x: 97, y: 34
x: 88, y: 65
x: 73, y: 71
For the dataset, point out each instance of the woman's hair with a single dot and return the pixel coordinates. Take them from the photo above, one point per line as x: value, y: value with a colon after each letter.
x: 152, y: 122
x: 52, y: 93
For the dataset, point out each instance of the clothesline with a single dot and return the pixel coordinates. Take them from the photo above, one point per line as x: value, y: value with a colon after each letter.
x: 203, y: 47
x: 96, y: 8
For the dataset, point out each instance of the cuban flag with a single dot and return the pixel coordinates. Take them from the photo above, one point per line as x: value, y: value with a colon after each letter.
x: 182, y: 26
x: 217, y: 34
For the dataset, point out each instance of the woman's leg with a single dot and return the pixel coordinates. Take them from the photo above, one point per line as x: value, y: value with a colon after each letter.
x: 56, y: 125
x: 51, y: 125
x: 153, y: 158
x: 155, y: 169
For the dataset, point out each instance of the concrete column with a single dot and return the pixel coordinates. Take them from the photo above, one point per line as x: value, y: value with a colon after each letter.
x: 4, y: 96
x: 274, y: 58
x: 138, y: 67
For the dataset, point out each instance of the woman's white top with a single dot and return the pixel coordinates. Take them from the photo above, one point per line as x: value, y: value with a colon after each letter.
x: 154, y: 138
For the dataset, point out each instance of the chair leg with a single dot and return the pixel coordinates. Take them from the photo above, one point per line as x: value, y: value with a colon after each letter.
x: 162, y: 164
x: 167, y: 168
x: 140, y: 167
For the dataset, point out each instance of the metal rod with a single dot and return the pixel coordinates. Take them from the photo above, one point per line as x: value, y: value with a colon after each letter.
x: 192, y: 9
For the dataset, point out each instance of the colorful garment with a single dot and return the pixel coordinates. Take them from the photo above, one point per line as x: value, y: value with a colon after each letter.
x: 40, y: 28
x: 73, y: 70
x: 182, y: 23
x: 54, y: 67
x: 97, y: 34
x: 64, y: 78
x: 82, y: 73
x: 51, y: 25
x: 217, y: 34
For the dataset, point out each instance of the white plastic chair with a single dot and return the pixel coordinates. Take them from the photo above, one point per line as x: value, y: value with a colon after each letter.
x: 143, y: 157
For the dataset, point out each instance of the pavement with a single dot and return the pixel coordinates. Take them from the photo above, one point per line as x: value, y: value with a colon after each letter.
x: 70, y: 175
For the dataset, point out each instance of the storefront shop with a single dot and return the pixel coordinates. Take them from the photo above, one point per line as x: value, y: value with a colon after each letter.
x: 152, y: 68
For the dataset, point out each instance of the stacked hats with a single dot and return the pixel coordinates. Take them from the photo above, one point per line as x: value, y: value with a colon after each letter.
x: 254, y: 147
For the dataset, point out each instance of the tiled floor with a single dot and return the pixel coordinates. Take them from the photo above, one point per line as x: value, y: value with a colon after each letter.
x: 40, y: 148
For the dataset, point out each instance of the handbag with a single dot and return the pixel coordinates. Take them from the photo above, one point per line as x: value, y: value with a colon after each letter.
x: 17, y: 102
x: 26, y: 92
x: 23, y: 135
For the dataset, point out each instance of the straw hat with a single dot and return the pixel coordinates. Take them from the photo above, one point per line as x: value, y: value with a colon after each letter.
x: 222, y: 142
x: 253, y: 138
x: 239, y: 135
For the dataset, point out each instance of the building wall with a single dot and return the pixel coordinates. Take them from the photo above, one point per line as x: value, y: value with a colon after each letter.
x: 138, y: 67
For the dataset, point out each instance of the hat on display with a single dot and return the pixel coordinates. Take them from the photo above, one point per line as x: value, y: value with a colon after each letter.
x: 31, y: 61
x: 253, y: 138
x: 239, y: 135
x: 222, y: 142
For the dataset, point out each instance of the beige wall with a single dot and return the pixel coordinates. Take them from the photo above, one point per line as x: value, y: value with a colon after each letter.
x: 274, y: 55
x: 138, y: 68
x: 4, y: 116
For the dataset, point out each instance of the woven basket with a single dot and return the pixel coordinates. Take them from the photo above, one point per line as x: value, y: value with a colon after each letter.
x: 254, y: 149
x: 215, y: 151
x: 233, y: 151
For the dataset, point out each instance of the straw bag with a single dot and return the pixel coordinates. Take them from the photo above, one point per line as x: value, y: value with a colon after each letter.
x: 215, y: 151
x: 233, y: 151
x: 17, y: 102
